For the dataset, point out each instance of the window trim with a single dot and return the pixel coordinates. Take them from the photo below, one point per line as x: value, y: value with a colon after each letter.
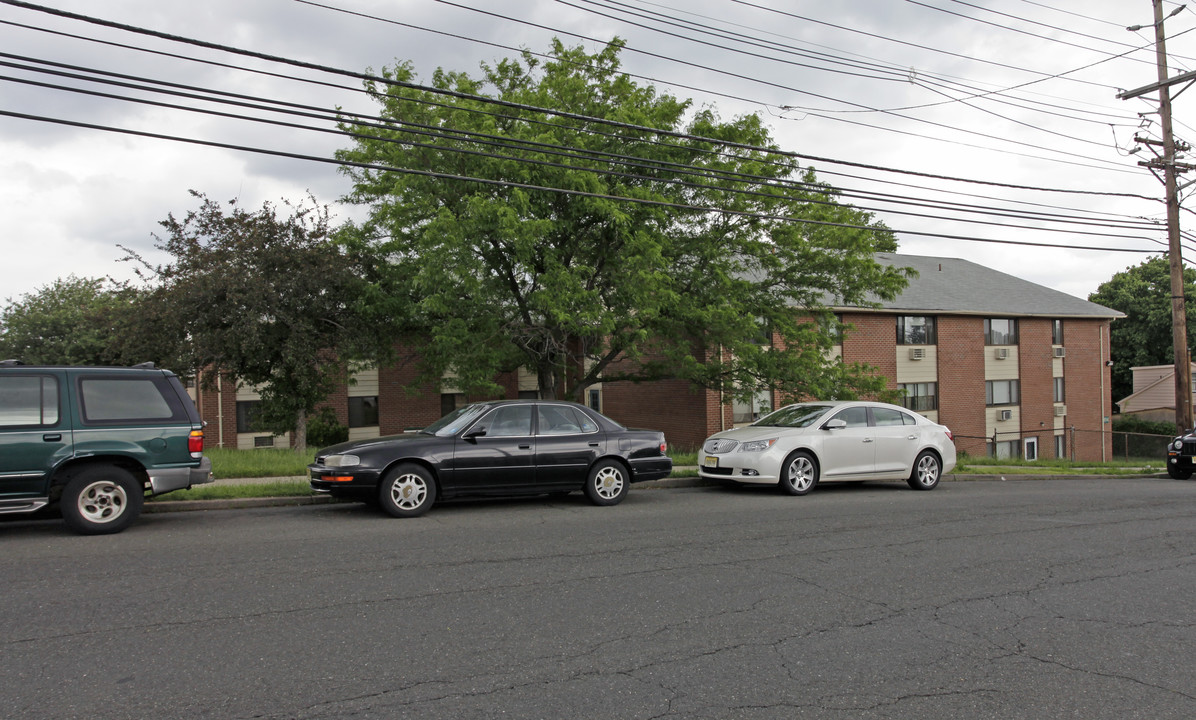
x: 930, y: 324
x: 1015, y: 393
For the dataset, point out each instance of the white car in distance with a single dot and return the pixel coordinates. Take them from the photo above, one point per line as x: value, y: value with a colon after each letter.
x: 803, y: 444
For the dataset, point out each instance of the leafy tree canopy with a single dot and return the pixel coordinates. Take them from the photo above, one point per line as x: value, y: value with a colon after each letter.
x: 71, y: 321
x: 588, y: 246
x: 1143, y: 336
x: 263, y: 296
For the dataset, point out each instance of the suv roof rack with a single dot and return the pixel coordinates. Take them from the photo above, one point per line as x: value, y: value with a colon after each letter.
x: 10, y: 363
x: 144, y: 366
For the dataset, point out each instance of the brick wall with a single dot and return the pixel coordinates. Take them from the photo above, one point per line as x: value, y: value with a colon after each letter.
x: 872, y: 342
x: 217, y: 406
x: 1037, y: 384
x: 961, y: 381
x: 1087, y: 378
x: 674, y: 407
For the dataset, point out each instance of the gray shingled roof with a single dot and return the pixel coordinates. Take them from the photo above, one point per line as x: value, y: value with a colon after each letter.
x: 959, y: 287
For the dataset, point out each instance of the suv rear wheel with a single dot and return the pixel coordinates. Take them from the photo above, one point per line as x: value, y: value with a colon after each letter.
x: 102, y: 499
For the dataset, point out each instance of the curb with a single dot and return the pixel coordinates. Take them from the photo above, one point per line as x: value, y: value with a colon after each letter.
x: 164, y: 506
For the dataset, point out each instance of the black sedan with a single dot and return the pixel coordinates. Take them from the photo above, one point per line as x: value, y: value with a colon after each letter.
x: 500, y: 448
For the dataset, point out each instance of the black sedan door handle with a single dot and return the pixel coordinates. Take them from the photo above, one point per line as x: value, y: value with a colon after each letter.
x: 525, y: 447
x: 52, y: 438
x: 593, y: 444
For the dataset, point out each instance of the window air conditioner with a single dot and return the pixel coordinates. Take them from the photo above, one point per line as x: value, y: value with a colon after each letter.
x: 1060, y: 410
x: 1001, y: 353
x: 1005, y: 415
x: 1060, y: 352
x: 917, y: 353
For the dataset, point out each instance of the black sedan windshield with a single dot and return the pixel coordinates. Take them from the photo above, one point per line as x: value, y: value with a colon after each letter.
x: 455, y: 421
x: 794, y: 416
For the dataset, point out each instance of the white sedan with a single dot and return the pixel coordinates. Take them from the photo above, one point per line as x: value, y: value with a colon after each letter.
x: 801, y: 445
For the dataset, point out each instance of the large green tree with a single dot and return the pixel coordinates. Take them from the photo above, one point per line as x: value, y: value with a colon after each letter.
x: 265, y: 296
x: 1143, y: 336
x: 588, y: 246
x: 72, y: 321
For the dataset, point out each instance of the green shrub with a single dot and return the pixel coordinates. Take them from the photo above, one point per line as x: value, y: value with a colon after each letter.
x: 1146, y: 427
x: 323, y: 429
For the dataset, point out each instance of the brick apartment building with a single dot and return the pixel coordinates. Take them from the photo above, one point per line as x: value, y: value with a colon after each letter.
x: 1013, y: 368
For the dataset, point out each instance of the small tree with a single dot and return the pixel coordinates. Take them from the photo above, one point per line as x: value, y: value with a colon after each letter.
x: 268, y: 299
x: 71, y: 321
x: 1144, y: 335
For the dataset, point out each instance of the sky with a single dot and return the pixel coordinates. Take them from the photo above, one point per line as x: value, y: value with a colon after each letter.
x: 969, y: 128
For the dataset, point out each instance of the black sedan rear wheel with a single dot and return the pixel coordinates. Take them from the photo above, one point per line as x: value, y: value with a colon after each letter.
x: 608, y: 483
x: 407, y: 491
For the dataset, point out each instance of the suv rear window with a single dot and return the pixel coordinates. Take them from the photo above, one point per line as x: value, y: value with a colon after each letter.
x: 121, y: 399
x: 28, y: 400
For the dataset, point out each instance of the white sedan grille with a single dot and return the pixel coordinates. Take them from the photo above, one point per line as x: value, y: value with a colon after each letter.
x: 719, y: 445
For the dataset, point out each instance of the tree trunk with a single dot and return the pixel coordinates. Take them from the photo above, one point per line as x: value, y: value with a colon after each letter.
x: 546, y: 378
x: 300, y: 442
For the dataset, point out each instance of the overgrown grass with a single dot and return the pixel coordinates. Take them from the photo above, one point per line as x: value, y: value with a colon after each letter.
x: 264, y: 462
x: 298, y: 488
x: 1016, y: 466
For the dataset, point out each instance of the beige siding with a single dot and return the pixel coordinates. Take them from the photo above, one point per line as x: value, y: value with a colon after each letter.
x: 995, y: 369
x: 917, y: 371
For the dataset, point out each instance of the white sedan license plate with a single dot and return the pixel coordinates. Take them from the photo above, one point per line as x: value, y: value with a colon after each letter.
x: 710, y: 461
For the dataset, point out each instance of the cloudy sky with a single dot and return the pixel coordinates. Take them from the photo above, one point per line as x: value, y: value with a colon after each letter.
x: 957, y: 123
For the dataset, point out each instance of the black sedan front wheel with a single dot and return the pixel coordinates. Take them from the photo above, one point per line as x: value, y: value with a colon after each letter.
x: 608, y: 483
x: 407, y: 491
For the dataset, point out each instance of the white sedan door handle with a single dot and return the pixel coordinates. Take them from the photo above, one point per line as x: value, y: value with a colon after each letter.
x: 867, y: 439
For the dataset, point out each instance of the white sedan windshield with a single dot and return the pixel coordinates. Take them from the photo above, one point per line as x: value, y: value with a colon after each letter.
x: 794, y: 416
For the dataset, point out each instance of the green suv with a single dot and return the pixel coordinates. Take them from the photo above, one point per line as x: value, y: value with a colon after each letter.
x: 95, y: 440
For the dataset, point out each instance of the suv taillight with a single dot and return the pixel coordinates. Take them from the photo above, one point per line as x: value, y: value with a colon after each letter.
x: 195, y: 442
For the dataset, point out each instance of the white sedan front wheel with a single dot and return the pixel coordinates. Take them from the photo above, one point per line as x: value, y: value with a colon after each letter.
x: 799, y: 474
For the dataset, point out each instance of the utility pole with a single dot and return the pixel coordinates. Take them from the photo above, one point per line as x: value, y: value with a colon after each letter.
x: 1167, y: 163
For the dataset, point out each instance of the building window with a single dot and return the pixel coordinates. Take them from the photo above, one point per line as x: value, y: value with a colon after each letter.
x: 1001, y: 392
x: 916, y: 330
x: 450, y: 402
x: 746, y: 411
x: 1060, y: 447
x: 1056, y: 332
x: 1004, y: 450
x: 1060, y: 396
x: 595, y: 400
x: 247, y: 411
x: 363, y: 411
x: 920, y: 397
x: 1000, y: 331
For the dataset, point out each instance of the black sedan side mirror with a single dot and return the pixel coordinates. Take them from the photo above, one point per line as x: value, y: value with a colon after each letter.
x: 474, y: 434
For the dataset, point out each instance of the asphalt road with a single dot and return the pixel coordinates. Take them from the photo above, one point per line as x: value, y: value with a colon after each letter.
x: 981, y: 599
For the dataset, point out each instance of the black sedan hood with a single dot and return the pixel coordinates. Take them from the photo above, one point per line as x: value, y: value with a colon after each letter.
x: 355, y: 446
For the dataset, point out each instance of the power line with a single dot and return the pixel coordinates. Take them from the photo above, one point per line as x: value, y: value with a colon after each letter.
x: 530, y: 186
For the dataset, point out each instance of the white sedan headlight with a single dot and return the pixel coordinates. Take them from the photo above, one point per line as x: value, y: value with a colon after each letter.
x: 341, y: 461
x: 757, y: 445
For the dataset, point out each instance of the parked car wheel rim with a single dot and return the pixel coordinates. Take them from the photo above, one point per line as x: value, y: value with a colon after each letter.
x: 102, y: 502
x: 800, y: 474
x: 927, y: 472
x: 608, y: 483
x: 408, y: 491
